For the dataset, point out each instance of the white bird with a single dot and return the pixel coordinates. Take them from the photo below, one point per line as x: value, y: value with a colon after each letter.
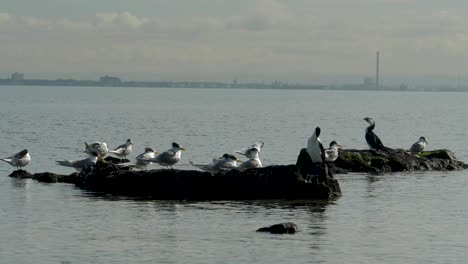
x: 331, y: 153
x: 124, y: 150
x: 168, y: 157
x: 257, y: 145
x: 419, y: 146
x: 225, y: 162
x: 315, y: 147
x: 79, y: 164
x: 149, y: 153
x: 253, y: 155
x: 99, y: 147
x: 18, y: 160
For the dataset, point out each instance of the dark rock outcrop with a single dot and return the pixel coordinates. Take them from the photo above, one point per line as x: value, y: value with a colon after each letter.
x: 395, y: 161
x: 282, y: 228
x: 272, y: 182
x: 21, y: 174
x: 49, y: 177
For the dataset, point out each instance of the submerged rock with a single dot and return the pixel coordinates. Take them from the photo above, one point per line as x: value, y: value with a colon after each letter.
x: 282, y: 228
x: 396, y: 161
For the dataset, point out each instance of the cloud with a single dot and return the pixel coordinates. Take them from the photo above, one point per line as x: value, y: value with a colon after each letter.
x: 268, y: 15
x: 4, y: 18
x: 119, y: 20
x: 269, y: 36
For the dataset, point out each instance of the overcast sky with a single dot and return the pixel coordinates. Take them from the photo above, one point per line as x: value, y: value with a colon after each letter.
x: 327, y: 37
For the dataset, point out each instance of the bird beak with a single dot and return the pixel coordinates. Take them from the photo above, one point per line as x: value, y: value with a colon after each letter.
x: 156, y: 152
x: 182, y: 149
x: 340, y: 146
x: 239, y: 160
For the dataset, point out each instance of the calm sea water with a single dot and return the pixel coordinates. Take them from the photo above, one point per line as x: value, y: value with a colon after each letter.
x: 392, y: 218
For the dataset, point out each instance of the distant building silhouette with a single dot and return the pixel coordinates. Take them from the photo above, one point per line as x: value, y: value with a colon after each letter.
x: 17, y: 76
x: 110, y: 80
x: 369, y: 81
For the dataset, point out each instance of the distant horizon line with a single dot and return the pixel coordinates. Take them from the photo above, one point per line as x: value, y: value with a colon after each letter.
x: 303, y: 78
x: 369, y: 84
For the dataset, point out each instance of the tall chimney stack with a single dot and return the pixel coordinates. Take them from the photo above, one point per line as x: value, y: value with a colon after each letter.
x: 377, y: 72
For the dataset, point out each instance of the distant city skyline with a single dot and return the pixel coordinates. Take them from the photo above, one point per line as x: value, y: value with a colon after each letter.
x: 286, y: 79
x: 308, y: 41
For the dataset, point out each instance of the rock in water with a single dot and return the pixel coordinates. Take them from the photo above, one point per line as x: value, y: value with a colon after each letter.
x: 282, y: 228
x: 271, y: 182
x: 290, y: 182
x: 21, y: 174
x: 377, y: 161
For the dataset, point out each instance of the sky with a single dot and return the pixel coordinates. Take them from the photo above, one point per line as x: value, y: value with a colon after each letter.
x: 303, y: 40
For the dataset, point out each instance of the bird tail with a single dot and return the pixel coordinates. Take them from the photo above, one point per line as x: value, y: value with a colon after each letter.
x: 6, y: 160
x: 198, y: 165
x: 195, y: 164
x: 242, y: 152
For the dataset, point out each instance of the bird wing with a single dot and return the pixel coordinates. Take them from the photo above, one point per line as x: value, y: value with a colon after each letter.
x: 17, y: 156
x: 82, y: 163
x: 379, y: 142
x: 143, y: 156
x: 166, y: 156
x: 331, y: 154
x: 120, y: 147
x: 249, y: 164
x: 76, y: 163
x: 67, y: 163
x: 322, y: 152
x: 370, y: 137
x: 227, y: 166
x: 203, y: 167
x: 242, y: 151
x: 417, y: 147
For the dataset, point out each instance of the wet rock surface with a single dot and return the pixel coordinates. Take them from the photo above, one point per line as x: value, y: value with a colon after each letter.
x: 395, y: 161
x: 272, y: 182
x: 47, y: 177
x: 21, y: 174
x: 282, y: 228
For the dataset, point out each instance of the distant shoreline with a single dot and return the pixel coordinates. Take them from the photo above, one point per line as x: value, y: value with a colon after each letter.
x: 108, y: 81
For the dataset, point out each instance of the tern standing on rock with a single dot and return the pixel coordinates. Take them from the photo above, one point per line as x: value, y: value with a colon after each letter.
x: 169, y: 157
x: 18, y: 160
x: 124, y: 150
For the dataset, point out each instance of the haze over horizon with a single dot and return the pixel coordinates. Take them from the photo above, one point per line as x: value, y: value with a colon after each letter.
x: 321, y: 41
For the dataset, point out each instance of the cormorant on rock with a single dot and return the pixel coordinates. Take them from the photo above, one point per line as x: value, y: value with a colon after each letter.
x: 372, y: 139
x: 315, y: 148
